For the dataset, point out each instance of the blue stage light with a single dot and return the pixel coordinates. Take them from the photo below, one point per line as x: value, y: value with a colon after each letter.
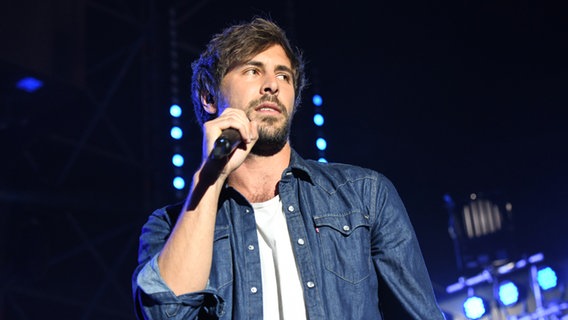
x: 546, y: 278
x: 317, y: 100
x: 29, y: 84
x: 177, y: 160
x: 322, y: 160
x: 318, y: 120
x: 176, y: 133
x: 321, y: 144
x: 175, y: 111
x: 179, y: 183
x: 474, y: 307
x: 508, y: 293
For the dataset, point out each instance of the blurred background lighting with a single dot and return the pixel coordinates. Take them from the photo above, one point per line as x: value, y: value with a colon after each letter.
x: 508, y: 293
x: 546, y: 278
x: 176, y: 133
x: 179, y: 183
x: 29, y: 84
x: 175, y: 111
x: 321, y: 144
x: 177, y: 160
x: 318, y: 119
x: 317, y: 100
x: 322, y: 160
x: 474, y: 307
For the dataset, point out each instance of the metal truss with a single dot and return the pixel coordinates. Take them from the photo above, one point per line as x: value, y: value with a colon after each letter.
x: 87, y: 156
x: 80, y: 174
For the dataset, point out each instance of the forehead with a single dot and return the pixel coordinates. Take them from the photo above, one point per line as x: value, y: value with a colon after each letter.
x: 274, y: 54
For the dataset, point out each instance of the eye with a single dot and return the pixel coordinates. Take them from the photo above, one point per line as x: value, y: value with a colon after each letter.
x: 284, y: 76
x: 251, y: 71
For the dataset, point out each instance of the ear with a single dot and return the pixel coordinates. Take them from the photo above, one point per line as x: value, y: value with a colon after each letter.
x: 208, y: 103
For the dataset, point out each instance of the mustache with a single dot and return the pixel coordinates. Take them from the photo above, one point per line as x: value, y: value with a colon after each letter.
x: 267, y: 98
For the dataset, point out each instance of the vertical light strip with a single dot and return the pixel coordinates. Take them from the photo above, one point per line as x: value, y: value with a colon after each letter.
x: 176, y: 131
x: 319, y: 121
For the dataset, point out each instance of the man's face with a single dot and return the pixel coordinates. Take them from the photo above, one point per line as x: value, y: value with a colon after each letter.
x: 263, y: 87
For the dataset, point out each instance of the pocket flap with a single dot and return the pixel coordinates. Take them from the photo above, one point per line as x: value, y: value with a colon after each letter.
x: 343, y: 223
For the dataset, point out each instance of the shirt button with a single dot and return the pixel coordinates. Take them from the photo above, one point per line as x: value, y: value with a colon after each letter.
x: 291, y: 208
x: 247, y: 210
x: 253, y: 290
x: 251, y: 247
x: 301, y: 241
x: 310, y: 284
x: 346, y: 228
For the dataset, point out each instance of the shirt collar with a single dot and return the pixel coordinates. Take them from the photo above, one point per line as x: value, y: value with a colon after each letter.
x: 299, y: 167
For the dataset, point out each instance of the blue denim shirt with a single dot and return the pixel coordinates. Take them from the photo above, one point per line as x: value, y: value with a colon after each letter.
x: 351, y: 237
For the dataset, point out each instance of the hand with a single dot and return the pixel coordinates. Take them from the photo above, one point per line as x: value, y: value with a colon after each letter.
x: 236, y: 119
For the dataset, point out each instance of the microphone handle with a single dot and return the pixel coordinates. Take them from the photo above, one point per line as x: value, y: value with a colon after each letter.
x: 224, y: 145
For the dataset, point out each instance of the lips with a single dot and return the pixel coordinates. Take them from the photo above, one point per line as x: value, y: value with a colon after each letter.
x: 268, y: 107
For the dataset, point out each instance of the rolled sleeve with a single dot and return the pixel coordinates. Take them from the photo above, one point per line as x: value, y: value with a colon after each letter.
x: 153, y: 298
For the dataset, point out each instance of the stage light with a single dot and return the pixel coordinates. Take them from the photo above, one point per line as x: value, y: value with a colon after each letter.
x: 546, y: 278
x: 29, y: 84
x: 322, y: 160
x: 508, y: 293
x: 179, y: 183
x: 176, y: 133
x: 321, y: 144
x: 317, y: 100
x: 177, y: 160
x: 475, y: 307
x: 318, y: 119
x: 175, y: 111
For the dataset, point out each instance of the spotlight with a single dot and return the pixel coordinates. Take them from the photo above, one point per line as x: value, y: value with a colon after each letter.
x: 508, y: 293
x: 176, y: 133
x: 317, y: 100
x: 179, y: 183
x: 29, y: 84
x: 321, y: 144
x: 318, y: 120
x: 475, y: 307
x: 175, y: 111
x: 177, y: 160
x: 546, y: 278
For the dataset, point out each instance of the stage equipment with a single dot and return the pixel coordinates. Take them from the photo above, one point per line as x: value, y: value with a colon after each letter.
x: 526, y: 289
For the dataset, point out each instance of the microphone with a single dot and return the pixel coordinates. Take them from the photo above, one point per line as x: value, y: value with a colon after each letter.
x: 227, y: 142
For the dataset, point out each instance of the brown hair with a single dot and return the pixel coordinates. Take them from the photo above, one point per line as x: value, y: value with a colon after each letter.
x: 235, y: 45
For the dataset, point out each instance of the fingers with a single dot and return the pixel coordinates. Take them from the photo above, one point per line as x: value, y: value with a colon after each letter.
x: 230, y: 118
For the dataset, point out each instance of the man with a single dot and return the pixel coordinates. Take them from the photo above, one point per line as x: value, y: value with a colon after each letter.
x: 265, y: 234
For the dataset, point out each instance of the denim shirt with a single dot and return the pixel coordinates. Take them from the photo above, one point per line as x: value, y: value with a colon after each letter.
x: 351, y: 236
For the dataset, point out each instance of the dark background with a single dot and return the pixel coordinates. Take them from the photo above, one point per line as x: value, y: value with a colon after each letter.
x: 443, y: 97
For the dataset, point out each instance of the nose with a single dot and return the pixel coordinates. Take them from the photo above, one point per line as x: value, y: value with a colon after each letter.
x: 270, y: 85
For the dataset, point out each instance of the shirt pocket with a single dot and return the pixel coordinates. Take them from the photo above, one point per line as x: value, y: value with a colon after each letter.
x: 222, y: 264
x: 345, y: 245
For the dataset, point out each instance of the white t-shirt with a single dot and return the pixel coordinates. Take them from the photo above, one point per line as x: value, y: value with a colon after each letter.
x: 283, y: 297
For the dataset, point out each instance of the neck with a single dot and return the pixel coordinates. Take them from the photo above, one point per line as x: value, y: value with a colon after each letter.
x: 257, y: 178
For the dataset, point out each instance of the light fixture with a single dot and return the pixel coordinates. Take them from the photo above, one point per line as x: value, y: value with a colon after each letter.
x: 508, y: 293
x: 318, y: 120
x: 29, y: 84
x: 546, y: 278
x: 321, y: 144
x: 317, y: 100
x: 176, y: 132
x: 179, y: 183
x: 474, y: 307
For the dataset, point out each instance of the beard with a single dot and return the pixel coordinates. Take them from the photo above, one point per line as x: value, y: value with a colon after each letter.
x: 272, y: 134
